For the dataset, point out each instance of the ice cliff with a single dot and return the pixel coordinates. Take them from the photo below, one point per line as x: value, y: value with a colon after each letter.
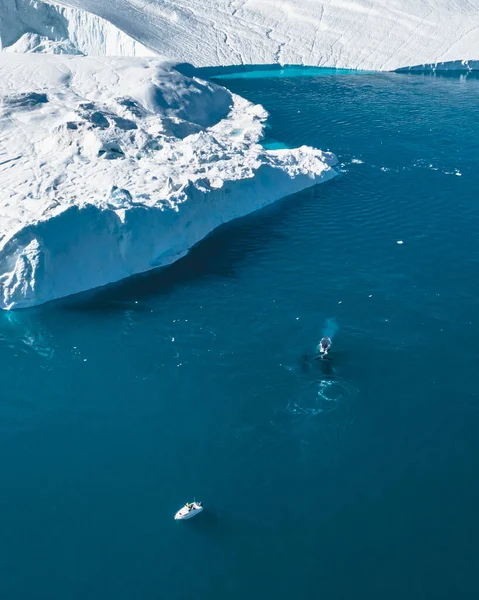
x: 113, y: 166
x: 32, y: 26
x: 358, y: 34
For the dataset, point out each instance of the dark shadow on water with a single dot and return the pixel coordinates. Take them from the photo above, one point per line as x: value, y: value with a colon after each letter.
x: 219, y: 255
x: 214, y: 525
x: 210, y: 523
x: 190, y: 70
x: 453, y: 70
x: 208, y: 520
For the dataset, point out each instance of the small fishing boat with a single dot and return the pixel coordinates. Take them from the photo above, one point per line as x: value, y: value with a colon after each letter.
x: 188, y: 511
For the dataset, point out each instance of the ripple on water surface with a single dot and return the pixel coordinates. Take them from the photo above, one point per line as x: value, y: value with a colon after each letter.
x: 119, y: 405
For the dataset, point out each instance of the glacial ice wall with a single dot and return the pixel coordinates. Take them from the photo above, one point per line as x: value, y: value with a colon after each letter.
x: 113, y: 166
x: 356, y: 34
x: 32, y: 26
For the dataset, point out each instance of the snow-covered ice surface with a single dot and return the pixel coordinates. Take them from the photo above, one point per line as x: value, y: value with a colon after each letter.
x: 355, y: 34
x: 33, y: 26
x: 113, y: 166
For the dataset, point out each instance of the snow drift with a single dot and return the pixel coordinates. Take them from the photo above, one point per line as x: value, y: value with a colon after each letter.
x: 357, y: 34
x: 114, y: 166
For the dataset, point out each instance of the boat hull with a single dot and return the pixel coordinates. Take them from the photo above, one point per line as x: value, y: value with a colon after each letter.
x: 183, y: 514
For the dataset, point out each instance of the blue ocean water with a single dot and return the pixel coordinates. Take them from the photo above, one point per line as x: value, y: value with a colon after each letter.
x: 349, y: 478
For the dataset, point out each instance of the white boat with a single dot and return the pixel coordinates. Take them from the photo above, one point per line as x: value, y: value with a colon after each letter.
x: 188, y: 511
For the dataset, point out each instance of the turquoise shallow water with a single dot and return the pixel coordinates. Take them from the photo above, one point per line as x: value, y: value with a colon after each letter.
x: 271, y: 71
x: 354, y: 478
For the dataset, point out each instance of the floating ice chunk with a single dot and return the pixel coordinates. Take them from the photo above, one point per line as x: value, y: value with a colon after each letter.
x: 86, y: 201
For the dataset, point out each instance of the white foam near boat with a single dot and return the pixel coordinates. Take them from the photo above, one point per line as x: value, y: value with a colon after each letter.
x: 189, y: 510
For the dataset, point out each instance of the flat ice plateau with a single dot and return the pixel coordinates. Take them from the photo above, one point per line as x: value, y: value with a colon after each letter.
x: 353, y: 34
x: 113, y: 166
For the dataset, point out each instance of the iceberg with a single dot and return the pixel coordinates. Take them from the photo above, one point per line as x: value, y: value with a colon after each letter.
x: 352, y: 34
x: 113, y: 163
x: 111, y: 166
